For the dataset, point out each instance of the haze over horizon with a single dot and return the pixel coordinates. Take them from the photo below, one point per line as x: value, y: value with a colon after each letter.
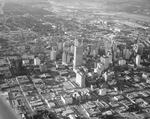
x: 127, y: 6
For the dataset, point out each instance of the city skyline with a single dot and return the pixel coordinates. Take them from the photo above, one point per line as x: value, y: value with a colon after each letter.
x: 65, y: 59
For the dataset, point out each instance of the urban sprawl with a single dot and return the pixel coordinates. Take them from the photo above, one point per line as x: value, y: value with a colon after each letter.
x: 77, y: 71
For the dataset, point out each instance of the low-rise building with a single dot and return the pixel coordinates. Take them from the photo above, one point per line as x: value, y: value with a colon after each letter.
x: 102, y: 92
x: 43, y: 67
x: 37, y: 61
x: 67, y: 99
x: 72, y: 116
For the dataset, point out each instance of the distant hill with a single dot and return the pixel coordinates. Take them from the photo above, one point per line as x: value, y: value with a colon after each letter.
x: 129, y: 6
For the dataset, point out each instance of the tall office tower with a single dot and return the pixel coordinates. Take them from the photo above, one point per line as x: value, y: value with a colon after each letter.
x: 68, y: 58
x: 140, y: 49
x: 95, y: 64
x: 37, y: 61
x: 95, y: 52
x: 80, y: 79
x: 108, y: 45
x: 53, y: 55
x: 66, y: 46
x: 85, y: 53
x: 148, y: 57
x: 122, y: 62
x: 64, y: 57
x: 60, y: 46
x: 105, y: 75
x: 99, y: 69
x: 52, y: 43
x: 114, y: 56
x: 78, y: 54
x: 126, y: 54
x: 109, y: 55
x: 54, y: 48
x: 105, y: 60
x: 72, y: 49
x: 76, y: 42
x: 113, y: 51
x: 91, y: 52
x: 118, y: 53
x: 114, y: 46
x: 138, y: 60
x: 135, y: 47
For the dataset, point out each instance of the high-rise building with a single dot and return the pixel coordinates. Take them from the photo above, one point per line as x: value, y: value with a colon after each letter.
x: 64, y: 57
x: 80, y: 78
x: 135, y: 47
x: 108, y: 45
x: 76, y: 42
x: 105, y: 75
x: 105, y: 60
x: 85, y: 53
x: 66, y: 46
x: 138, y: 60
x: 54, y: 48
x: 109, y: 55
x: 94, y: 53
x: 91, y: 52
x: 115, y: 56
x: 122, y: 62
x: 118, y: 53
x: 99, y: 69
x: 72, y: 49
x: 37, y: 61
x: 126, y: 54
x: 68, y: 58
x: 140, y: 49
x: 52, y: 43
x: 67, y: 49
x: 114, y: 46
x: 78, y: 54
x: 60, y: 46
x: 53, y: 55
